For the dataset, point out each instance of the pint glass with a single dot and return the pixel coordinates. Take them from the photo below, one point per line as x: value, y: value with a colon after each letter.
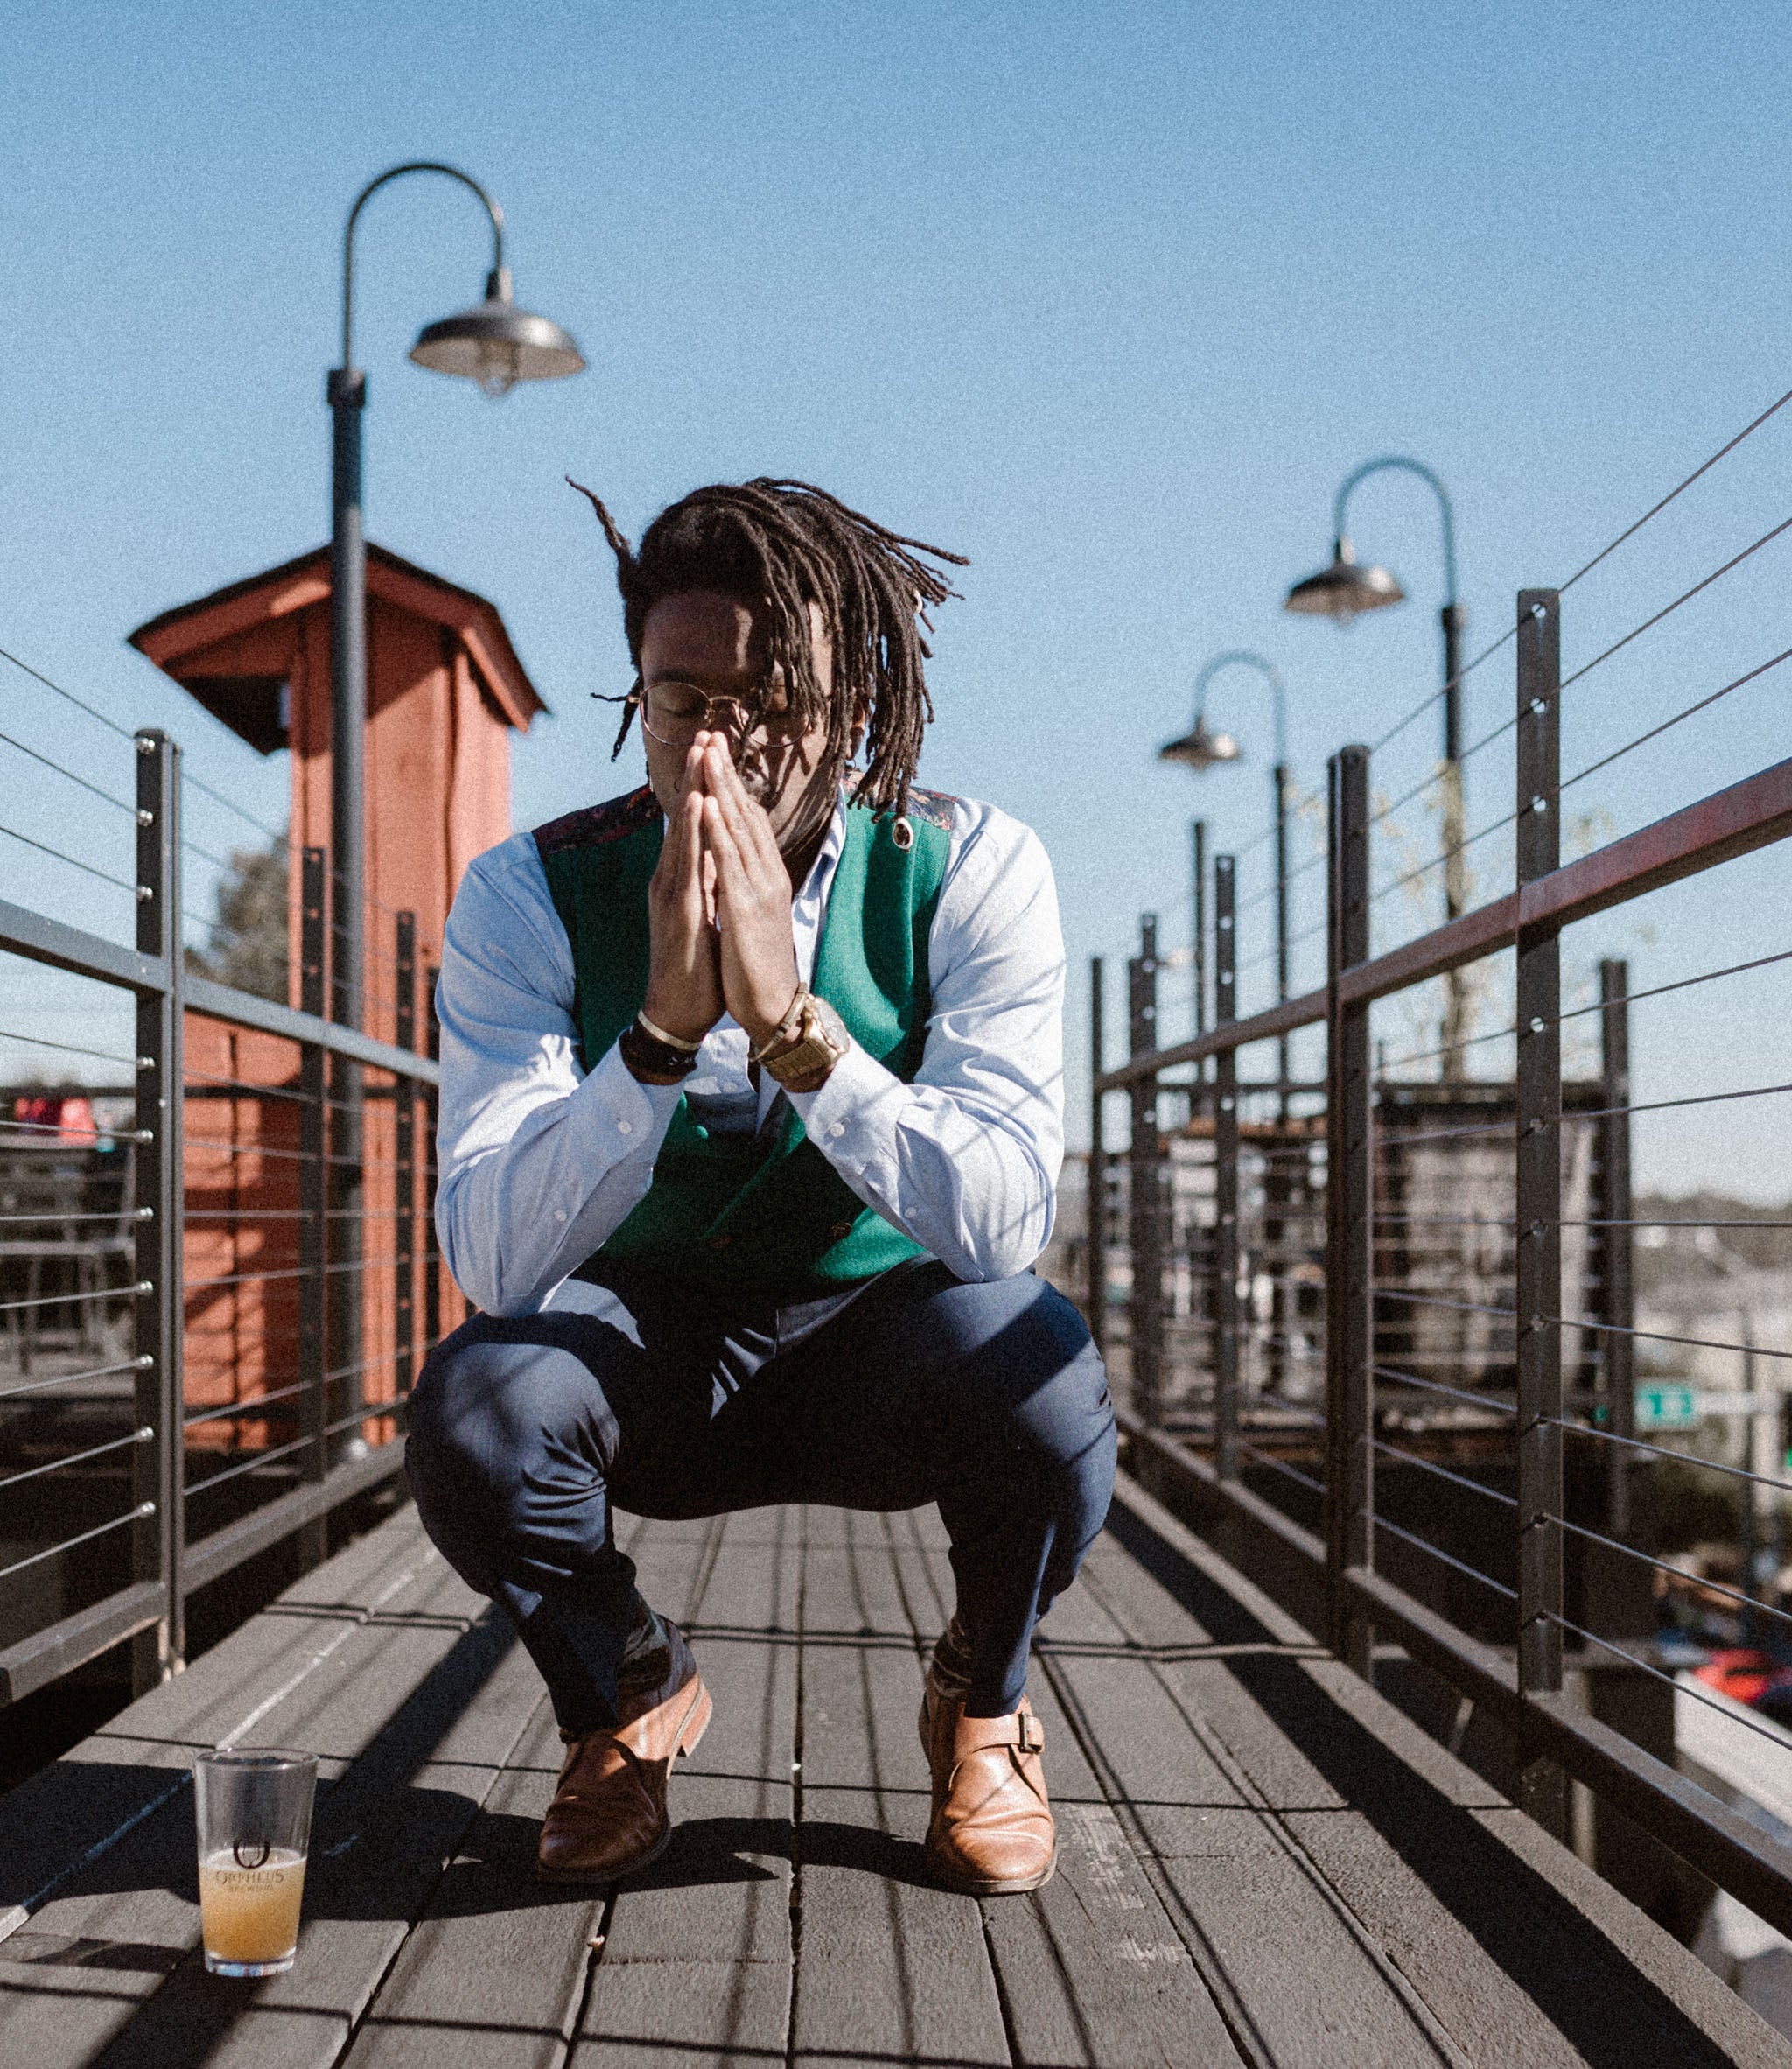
x: 253, y: 1812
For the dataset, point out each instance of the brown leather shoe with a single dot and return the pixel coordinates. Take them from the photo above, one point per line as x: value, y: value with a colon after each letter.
x: 608, y: 1816
x: 991, y: 1831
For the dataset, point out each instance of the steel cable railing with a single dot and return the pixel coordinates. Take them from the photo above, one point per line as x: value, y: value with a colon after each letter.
x: 1472, y: 1344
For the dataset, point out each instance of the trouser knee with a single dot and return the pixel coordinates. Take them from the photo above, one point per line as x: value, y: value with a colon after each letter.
x: 510, y: 1445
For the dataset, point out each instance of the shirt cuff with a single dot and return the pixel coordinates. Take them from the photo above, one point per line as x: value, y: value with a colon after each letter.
x: 852, y: 1117
x: 627, y: 1118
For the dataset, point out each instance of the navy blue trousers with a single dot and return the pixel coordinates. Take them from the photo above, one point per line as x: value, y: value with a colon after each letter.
x: 527, y: 1437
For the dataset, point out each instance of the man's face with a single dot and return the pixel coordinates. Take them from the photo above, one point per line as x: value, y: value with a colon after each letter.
x: 703, y: 644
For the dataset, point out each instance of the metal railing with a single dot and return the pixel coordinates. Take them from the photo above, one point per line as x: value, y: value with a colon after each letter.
x: 267, y: 1387
x: 1336, y: 1309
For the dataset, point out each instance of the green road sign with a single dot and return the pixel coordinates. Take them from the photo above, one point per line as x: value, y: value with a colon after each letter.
x: 1667, y: 1408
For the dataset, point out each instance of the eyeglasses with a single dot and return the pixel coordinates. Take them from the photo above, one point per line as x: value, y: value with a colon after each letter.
x: 673, y: 713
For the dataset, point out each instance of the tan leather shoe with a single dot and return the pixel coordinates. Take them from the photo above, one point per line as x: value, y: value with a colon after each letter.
x: 608, y: 1816
x: 991, y: 1831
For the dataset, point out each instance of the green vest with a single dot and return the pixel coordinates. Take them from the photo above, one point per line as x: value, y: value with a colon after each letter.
x: 762, y: 1214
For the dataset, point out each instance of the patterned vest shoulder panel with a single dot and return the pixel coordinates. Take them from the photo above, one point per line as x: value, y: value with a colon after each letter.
x: 763, y: 1214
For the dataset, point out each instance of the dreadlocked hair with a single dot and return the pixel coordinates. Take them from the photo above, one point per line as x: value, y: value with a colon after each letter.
x: 778, y: 547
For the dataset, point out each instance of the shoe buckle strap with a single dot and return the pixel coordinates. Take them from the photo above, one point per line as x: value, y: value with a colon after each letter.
x: 1030, y: 1738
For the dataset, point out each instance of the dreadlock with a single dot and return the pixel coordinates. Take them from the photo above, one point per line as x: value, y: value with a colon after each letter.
x: 779, y: 546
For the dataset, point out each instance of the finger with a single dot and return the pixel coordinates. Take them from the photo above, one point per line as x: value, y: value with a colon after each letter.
x: 747, y: 819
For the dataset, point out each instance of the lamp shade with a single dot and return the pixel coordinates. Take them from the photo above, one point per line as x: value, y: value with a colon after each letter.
x: 497, y: 344
x: 1199, y: 748
x: 1344, y: 589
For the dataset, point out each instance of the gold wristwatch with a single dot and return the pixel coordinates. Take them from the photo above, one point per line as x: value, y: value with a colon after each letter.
x: 806, y: 1044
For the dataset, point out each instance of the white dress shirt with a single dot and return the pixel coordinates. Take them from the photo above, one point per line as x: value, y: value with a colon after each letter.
x: 540, y: 1164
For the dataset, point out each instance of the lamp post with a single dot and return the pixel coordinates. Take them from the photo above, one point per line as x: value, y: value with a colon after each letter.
x: 1339, y: 592
x: 1202, y: 749
x: 496, y: 344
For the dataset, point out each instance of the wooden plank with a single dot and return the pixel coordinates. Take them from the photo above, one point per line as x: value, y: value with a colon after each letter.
x: 133, y: 1908
x: 382, y: 1841
x: 1091, y: 1968
x: 697, y: 1956
x: 889, y: 1968
x: 493, y: 1975
x: 92, y: 1797
x: 1297, y: 1980
x: 498, y: 1967
x: 1519, y: 1951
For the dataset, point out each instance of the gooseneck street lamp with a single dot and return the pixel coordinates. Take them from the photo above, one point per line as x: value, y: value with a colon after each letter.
x: 496, y: 344
x: 1341, y: 593
x: 1202, y: 749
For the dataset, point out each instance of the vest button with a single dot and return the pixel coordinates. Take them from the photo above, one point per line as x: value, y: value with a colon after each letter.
x: 720, y: 1242
x: 840, y: 1231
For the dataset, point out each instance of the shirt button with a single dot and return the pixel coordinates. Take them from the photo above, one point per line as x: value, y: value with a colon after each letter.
x: 624, y: 1127
x: 559, y: 1213
x: 835, y: 1130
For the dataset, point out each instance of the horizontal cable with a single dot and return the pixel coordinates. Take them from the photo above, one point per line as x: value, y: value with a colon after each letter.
x: 365, y: 1364
x: 195, y: 1488
x: 1406, y: 797
x: 56, y: 1465
x: 1655, y: 510
x: 1459, y: 1394
x: 371, y: 1413
x: 1405, y: 1137
x: 70, y: 1300
x: 1450, y: 1221
x: 130, y: 1364
x: 1680, y: 984
x: 247, y: 1407
x: 1691, y: 1687
x: 68, y: 696
x: 69, y: 774
x: 1661, y: 1565
x: 99, y: 1530
x: 278, y: 840
x: 1439, y: 861
x: 1438, y: 696
x: 1758, y: 1091
x: 1425, y: 1055
x: 1617, y: 1329
x: 43, y: 848
x: 1667, y: 610
x: 1646, y: 1221
x: 1474, y: 1573
x: 1396, y: 1292
x: 1281, y: 1465
x: 1691, y: 1458
x: 1427, y: 1465
x: 77, y: 1135
x: 76, y: 1048
x: 1668, y: 725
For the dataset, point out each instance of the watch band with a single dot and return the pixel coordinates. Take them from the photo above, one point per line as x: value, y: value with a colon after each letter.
x: 646, y: 1053
x: 817, y: 1044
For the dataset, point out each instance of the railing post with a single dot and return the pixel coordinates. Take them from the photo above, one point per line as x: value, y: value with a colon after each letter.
x: 1618, y: 1247
x: 1225, y: 1174
x: 158, y: 1535
x: 346, y: 1314
x: 1199, y: 859
x: 314, y: 1194
x: 1350, y: 1217
x: 1097, y: 1245
x: 404, y: 1156
x: 432, y: 1103
x: 1145, y: 1223
x: 1541, y: 1785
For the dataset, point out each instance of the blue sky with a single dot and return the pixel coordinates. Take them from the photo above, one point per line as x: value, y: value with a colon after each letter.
x: 1108, y: 300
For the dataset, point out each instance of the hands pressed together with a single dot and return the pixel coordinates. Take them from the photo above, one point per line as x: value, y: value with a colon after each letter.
x: 719, y: 908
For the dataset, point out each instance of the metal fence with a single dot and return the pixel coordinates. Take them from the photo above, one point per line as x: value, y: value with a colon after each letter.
x: 212, y: 1309
x: 1381, y: 1321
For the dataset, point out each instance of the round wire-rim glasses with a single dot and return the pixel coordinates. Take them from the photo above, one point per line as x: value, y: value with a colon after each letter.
x: 746, y: 716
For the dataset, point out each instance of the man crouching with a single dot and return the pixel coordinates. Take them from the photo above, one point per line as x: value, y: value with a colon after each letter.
x: 751, y: 1127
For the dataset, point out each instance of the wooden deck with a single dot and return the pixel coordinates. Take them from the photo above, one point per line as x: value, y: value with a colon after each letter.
x: 1259, y: 1862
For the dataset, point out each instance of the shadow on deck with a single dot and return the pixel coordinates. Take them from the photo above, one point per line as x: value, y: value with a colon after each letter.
x: 1260, y: 1860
